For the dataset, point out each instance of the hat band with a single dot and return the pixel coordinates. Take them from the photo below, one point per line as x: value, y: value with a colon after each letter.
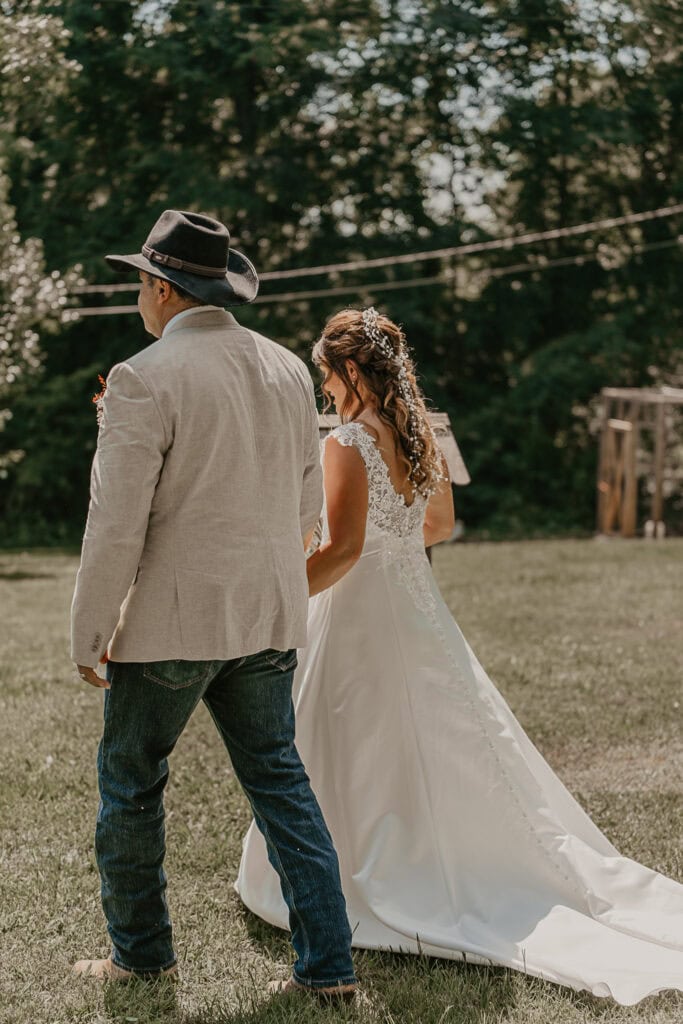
x: 176, y: 264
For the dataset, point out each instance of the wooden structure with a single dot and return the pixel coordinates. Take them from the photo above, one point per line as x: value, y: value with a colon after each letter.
x: 626, y: 412
x: 444, y: 435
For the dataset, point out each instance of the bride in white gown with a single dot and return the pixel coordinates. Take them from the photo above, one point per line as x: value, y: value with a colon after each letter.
x: 454, y: 835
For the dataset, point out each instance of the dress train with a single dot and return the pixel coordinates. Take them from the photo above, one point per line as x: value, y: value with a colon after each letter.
x: 455, y: 837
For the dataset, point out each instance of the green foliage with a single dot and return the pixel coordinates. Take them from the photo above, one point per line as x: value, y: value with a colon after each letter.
x: 323, y: 132
x: 29, y: 299
x: 33, y: 72
x: 33, y: 67
x: 543, y: 465
x: 48, y: 498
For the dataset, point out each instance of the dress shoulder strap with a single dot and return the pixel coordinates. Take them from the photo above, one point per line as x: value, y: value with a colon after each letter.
x: 349, y: 434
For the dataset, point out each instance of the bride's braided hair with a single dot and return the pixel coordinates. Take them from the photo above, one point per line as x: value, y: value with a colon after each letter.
x: 378, y: 347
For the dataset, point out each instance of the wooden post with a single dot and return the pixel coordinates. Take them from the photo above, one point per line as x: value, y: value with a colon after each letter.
x: 660, y: 444
x: 629, y: 502
x: 602, y: 482
x: 619, y: 430
x: 612, y: 478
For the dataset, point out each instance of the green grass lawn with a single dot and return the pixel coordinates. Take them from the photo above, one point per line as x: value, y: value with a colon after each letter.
x: 584, y: 640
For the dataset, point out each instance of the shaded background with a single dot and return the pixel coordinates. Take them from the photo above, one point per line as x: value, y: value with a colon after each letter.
x: 323, y: 133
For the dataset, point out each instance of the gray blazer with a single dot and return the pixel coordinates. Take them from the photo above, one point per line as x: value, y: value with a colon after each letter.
x: 206, y: 476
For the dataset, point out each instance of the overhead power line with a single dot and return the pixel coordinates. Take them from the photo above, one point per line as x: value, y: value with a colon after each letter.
x: 287, y: 296
x: 578, y: 261
x: 476, y: 247
x: 511, y: 242
x: 385, y: 286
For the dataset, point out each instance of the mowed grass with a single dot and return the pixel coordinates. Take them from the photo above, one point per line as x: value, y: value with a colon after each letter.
x: 584, y: 640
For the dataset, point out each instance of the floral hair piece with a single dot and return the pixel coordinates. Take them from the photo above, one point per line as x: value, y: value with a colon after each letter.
x: 379, y: 340
x: 398, y: 360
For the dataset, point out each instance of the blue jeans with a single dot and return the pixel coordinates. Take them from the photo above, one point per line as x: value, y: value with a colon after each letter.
x: 250, y: 700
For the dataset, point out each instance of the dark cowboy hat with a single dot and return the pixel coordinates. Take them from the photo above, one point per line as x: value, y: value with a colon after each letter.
x: 193, y: 251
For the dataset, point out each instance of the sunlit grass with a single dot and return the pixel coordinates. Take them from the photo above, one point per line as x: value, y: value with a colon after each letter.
x: 582, y: 638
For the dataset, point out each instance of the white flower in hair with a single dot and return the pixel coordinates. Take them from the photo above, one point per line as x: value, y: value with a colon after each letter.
x: 378, y: 339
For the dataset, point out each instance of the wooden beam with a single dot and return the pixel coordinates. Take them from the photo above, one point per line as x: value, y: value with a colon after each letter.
x: 646, y: 396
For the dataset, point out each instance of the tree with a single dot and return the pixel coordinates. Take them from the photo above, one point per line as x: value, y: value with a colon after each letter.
x: 324, y: 132
x: 33, y: 66
x: 32, y: 69
x: 588, y: 127
x: 281, y: 140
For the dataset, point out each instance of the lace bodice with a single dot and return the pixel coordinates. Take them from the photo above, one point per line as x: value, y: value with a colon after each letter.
x: 394, y: 530
x: 388, y: 512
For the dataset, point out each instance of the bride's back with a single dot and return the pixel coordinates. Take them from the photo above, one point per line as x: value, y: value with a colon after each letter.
x: 385, y: 442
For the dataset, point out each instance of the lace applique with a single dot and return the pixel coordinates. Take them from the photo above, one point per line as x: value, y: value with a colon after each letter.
x: 401, y: 525
x: 403, y: 553
x: 387, y: 509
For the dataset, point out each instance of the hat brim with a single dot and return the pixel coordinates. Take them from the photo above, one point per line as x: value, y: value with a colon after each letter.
x: 239, y: 286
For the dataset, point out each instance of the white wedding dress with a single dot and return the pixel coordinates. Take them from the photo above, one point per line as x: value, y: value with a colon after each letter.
x: 454, y: 835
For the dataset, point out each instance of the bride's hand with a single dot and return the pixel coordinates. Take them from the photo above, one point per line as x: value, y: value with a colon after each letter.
x: 440, y: 513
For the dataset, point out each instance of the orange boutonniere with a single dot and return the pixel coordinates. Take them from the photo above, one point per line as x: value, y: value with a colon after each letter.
x: 97, y: 399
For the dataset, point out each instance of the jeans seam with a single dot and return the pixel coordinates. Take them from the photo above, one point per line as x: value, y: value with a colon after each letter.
x: 283, y: 875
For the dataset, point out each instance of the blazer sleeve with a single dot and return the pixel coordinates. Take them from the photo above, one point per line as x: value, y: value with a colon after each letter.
x: 312, y: 487
x: 131, y: 447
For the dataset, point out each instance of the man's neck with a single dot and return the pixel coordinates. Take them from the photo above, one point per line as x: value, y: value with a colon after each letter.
x: 177, y: 307
x: 171, y: 322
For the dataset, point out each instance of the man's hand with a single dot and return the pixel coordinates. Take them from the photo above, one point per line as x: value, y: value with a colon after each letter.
x: 89, y: 675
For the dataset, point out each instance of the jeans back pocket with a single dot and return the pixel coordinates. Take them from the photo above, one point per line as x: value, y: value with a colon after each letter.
x: 178, y: 674
x: 285, y: 661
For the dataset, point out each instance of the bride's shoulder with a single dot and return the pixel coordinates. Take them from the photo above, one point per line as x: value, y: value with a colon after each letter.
x: 344, y: 433
x: 352, y: 434
x: 354, y: 438
x: 345, y: 463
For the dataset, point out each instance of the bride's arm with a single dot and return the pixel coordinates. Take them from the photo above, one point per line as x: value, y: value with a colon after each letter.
x: 440, y: 514
x: 346, y: 499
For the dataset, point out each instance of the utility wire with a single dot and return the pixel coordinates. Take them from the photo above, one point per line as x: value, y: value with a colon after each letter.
x: 458, y: 250
x: 284, y: 296
x: 636, y: 250
x: 476, y: 247
x: 578, y: 261
x: 385, y: 286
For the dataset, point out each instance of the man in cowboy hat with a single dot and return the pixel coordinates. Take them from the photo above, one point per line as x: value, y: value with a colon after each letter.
x: 192, y: 586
